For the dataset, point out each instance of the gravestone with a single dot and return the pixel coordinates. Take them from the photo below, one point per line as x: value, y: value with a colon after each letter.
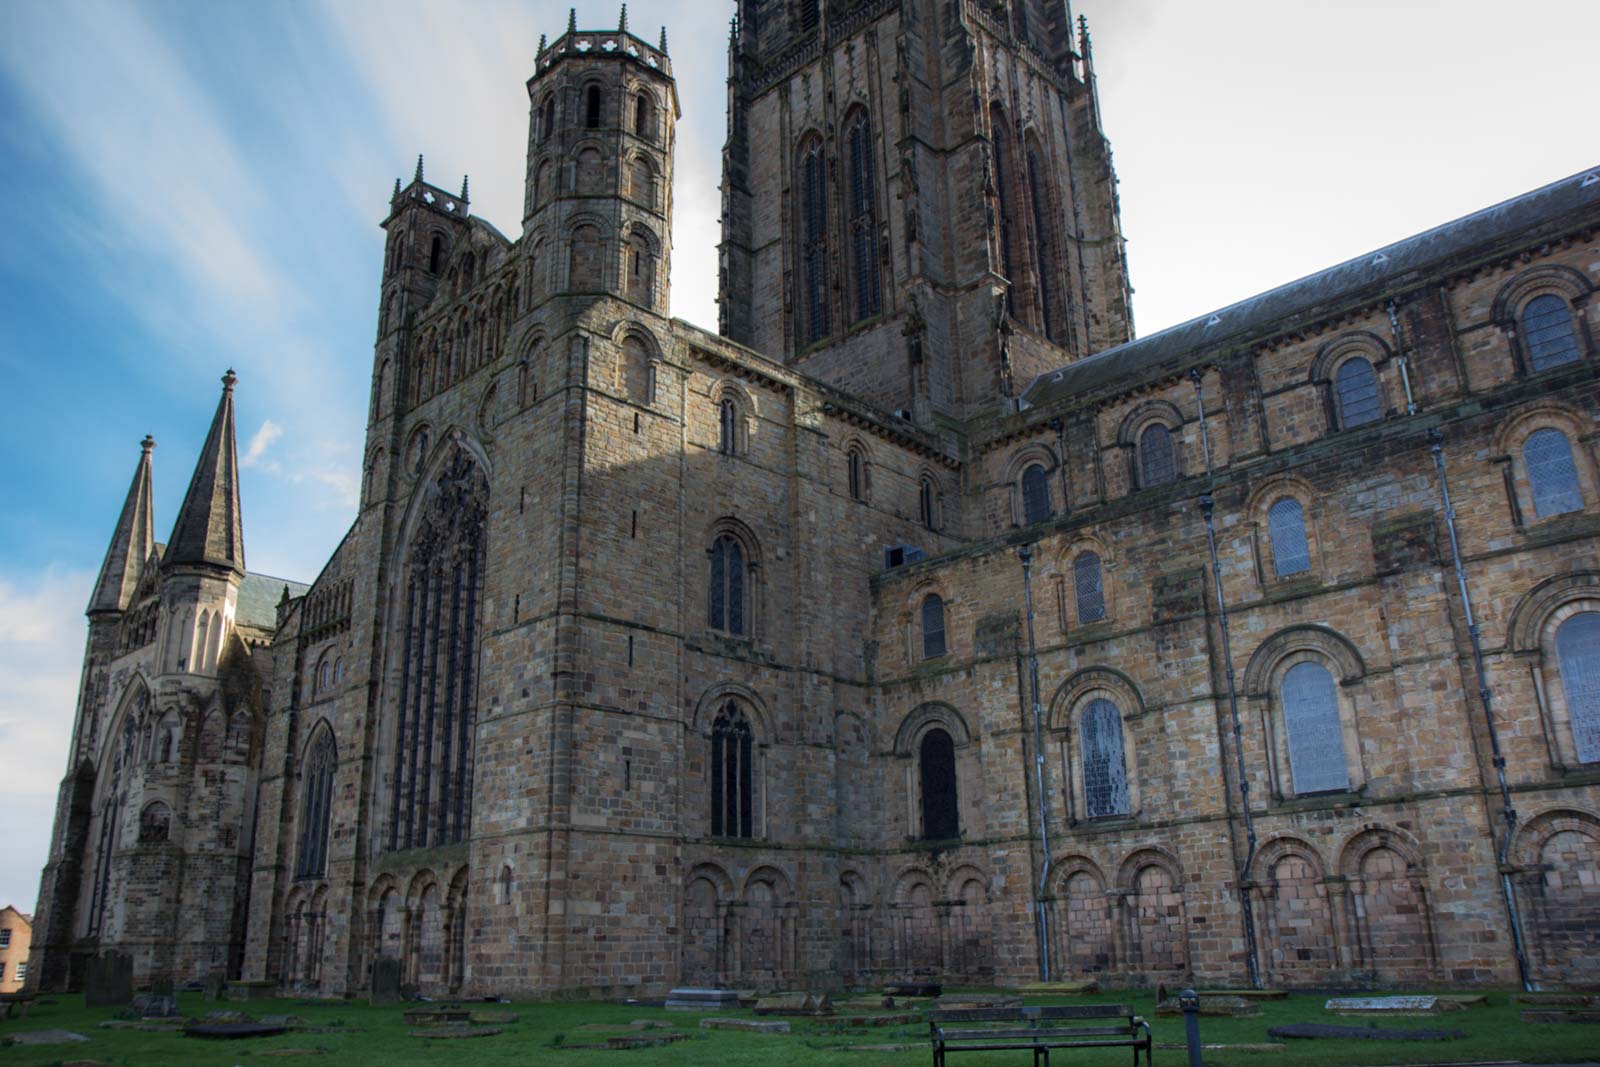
x: 1360, y: 1033
x: 108, y: 980
x: 216, y: 987
x: 793, y: 1004
x: 385, y: 981
x: 698, y: 999
x: 1388, y: 1006
x: 161, y: 987
x: 158, y: 1006
x: 754, y: 1026
x: 1225, y: 1005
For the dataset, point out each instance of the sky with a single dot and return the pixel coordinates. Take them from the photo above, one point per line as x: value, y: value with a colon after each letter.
x: 195, y: 187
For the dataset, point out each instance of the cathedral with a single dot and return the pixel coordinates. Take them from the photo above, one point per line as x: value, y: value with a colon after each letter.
x: 920, y: 621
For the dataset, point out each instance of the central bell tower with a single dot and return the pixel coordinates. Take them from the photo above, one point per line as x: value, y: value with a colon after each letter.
x: 918, y: 203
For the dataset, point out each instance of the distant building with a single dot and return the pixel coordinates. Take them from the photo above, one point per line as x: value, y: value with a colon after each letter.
x: 16, y: 934
x: 922, y: 623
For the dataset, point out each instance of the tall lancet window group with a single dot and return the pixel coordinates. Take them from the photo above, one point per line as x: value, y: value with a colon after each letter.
x: 814, y: 324
x: 110, y: 830
x: 439, y: 607
x: 316, y: 806
x: 863, y: 216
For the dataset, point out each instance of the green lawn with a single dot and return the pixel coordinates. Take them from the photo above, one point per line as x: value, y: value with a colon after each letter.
x: 364, y: 1034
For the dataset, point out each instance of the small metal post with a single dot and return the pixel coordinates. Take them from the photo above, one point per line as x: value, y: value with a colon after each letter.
x: 1189, y: 1001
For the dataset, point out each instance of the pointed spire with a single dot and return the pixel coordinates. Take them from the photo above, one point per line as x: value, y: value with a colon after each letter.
x: 209, y: 531
x: 542, y: 47
x: 463, y: 188
x: 1083, y: 36
x: 396, y: 194
x: 663, y: 40
x: 572, y: 20
x: 131, y: 544
x: 418, y: 178
x: 622, y: 23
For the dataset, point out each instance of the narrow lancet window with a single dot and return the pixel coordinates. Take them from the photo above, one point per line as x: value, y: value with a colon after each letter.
x: 732, y: 782
x: 1286, y: 525
x: 316, y: 805
x: 1105, y: 770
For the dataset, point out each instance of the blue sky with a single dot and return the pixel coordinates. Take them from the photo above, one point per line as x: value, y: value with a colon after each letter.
x: 197, y: 186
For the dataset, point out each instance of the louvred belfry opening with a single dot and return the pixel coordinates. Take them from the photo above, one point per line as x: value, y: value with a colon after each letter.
x: 441, y: 606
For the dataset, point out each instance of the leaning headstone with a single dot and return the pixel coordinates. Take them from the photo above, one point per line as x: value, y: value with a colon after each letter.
x: 216, y: 986
x: 697, y: 999
x: 108, y: 980
x: 792, y: 1004
x: 754, y: 1026
x: 162, y: 986
x: 1360, y: 1033
x: 1390, y: 1006
x: 160, y: 1006
x: 385, y: 981
x: 260, y: 990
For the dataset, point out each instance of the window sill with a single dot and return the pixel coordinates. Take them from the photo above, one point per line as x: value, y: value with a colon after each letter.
x: 1333, y: 798
x: 939, y: 844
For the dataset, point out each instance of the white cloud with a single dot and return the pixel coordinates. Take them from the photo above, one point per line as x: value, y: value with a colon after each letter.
x: 264, y: 439
x: 41, y: 654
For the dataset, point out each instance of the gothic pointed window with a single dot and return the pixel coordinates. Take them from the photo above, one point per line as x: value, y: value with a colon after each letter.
x: 1286, y: 526
x: 1314, y: 732
x: 547, y: 124
x: 1578, y: 656
x: 999, y: 135
x: 927, y: 501
x: 726, y: 605
x: 1552, y: 474
x: 591, y: 108
x: 932, y: 626
x: 436, y: 254
x: 857, y: 470
x: 727, y: 426
x: 1044, y: 238
x: 1547, y: 331
x: 732, y: 780
x: 1157, y: 464
x: 936, y: 766
x: 863, y: 216
x: 1087, y: 589
x: 1105, y: 770
x: 1035, y: 495
x: 1357, y: 386
x: 814, y: 324
x: 440, y: 599
x: 316, y: 806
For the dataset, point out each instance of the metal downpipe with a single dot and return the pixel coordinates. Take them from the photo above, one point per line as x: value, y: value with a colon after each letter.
x: 1025, y: 554
x: 1246, y: 909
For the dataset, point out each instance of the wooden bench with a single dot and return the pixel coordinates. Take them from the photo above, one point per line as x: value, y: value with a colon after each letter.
x: 1038, y: 1030
x: 15, y: 1004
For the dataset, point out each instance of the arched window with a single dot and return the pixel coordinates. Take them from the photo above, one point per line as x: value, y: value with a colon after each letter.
x: 436, y: 254
x: 587, y: 259
x: 1038, y: 193
x: 316, y: 806
x: 641, y: 268
x: 814, y: 325
x: 547, y: 123
x: 642, y: 182
x: 1157, y: 465
x: 1105, y: 771
x: 1035, y: 495
x: 858, y: 473
x: 1002, y: 202
x: 863, y: 217
x: 440, y: 596
x: 1286, y: 526
x: 591, y: 108
x: 1315, y: 735
x: 1357, y: 385
x: 590, y: 175
x: 1087, y: 588
x: 727, y: 426
x: 925, y: 504
x: 1578, y: 654
x: 1547, y: 330
x: 732, y: 784
x: 155, y: 823
x: 543, y: 184
x: 1552, y: 474
x: 936, y: 759
x: 932, y: 626
x: 644, y: 120
x: 325, y: 676
x: 726, y: 599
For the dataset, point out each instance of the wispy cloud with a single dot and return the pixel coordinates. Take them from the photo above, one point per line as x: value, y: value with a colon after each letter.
x: 264, y: 439
x: 41, y: 649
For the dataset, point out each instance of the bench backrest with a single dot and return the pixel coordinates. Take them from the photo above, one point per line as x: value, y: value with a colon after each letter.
x: 962, y: 1016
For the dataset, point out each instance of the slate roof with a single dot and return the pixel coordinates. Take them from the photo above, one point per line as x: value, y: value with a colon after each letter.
x: 257, y: 605
x: 1545, y: 209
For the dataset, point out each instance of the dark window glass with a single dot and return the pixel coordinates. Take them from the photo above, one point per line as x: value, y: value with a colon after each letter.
x: 1311, y: 722
x: 732, y: 784
x: 1358, y: 393
x: 814, y: 244
x: 591, y: 114
x: 1035, y: 495
x: 1157, y: 465
x: 1552, y: 474
x: 1547, y: 328
x: 1037, y: 193
x: 808, y: 14
x: 316, y: 806
x: 1286, y: 525
x: 941, y: 820
x: 1578, y: 653
x: 728, y: 423
x: 643, y: 117
x: 858, y: 475
x: 547, y: 127
x: 863, y: 220
x: 1105, y: 771
x: 925, y: 503
x: 1002, y: 202
x: 932, y: 626
x: 726, y: 595
x: 436, y: 255
x: 1087, y: 588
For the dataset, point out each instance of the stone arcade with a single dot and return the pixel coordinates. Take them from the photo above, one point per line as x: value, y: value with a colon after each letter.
x: 657, y: 657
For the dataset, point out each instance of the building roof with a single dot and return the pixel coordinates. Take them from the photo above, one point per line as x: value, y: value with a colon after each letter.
x: 257, y: 604
x: 1529, y: 215
x: 209, y: 530
x: 131, y: 541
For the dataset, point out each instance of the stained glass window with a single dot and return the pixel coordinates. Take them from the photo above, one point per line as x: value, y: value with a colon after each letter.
x: 1358, y: 393
x: 732, y: 784
x: 932, y: 626
x: 1105, y: 771
x: 316, y: 785
x: 1035, y: 495
x: 1547, y: 329
x: 941, y: 818
x: 726, y: 600
x: 863, y: 218
x: 1578, y: 653
x: 1286, y: 525
x: 1552, y: 474
x: 1087, y: 588
x: 1315, y: 735
x: 814, y: 244
x: 1157, y: 465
